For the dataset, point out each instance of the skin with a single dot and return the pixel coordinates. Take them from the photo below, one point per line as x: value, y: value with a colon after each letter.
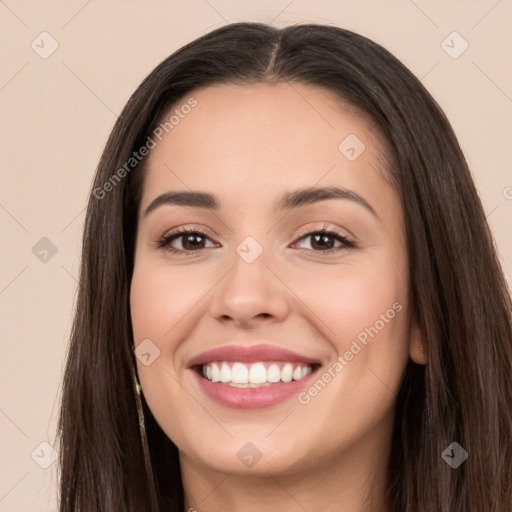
x: 248, y: 145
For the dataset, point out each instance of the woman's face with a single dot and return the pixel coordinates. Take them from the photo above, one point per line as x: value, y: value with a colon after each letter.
x: 303, y: 336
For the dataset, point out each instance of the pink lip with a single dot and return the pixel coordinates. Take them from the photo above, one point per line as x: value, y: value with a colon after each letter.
x: 253, y: 354
x: 250, y: 398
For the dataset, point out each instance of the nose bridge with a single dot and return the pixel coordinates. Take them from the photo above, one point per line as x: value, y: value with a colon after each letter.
x: 250, y: 276
x: 250, y: 289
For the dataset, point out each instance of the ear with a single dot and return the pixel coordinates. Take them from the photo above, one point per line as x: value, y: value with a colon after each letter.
x: 417, y: 346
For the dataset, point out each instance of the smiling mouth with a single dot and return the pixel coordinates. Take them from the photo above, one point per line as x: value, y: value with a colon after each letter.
x: 256, y: 374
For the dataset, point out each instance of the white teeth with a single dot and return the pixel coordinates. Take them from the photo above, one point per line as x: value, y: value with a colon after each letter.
x: 215, y: 372
x: 287, y: 372
x: 273, y: 373
x: 254, y: 374
x: 239, y: 374
x: 297, y: 373
x: 225, y: 373
x: 257, y: 374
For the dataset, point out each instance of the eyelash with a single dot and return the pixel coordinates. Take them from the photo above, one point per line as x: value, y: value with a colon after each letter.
x: 164, y: 242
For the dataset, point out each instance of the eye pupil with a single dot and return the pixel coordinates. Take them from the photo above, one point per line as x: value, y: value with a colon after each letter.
x: 192, y: 236
x: 320, y: 240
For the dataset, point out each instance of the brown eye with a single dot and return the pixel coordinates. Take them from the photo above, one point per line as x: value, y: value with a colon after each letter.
x: 323, y: 241
x: 190, y: 240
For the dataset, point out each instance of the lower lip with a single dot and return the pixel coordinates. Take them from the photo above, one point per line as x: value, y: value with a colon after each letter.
x: 251, y: 398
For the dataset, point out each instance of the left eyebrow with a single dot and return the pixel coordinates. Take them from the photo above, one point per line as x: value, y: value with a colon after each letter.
x: 305, y: 196
x: 294, y: 199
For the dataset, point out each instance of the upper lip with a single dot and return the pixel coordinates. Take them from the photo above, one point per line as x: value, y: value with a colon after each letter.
x: 250, y: 354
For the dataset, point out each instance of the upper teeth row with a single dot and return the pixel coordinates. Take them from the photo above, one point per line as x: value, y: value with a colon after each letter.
x: 256, y: 373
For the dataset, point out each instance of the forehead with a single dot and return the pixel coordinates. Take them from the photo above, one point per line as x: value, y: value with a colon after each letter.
x: 253, y: 140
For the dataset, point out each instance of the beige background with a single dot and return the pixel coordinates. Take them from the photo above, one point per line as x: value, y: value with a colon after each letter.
x: 58, y: 111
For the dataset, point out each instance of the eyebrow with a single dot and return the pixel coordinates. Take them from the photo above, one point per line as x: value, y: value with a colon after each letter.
x: 290, y: 200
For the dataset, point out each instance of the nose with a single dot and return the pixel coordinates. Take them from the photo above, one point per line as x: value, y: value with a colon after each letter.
x: 250, y: 293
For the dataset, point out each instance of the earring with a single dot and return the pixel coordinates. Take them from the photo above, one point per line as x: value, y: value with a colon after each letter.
x: 138, y: 386
x: 143, y: 436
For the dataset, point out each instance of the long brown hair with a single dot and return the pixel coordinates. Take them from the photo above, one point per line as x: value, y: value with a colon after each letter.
x: 458, y: 290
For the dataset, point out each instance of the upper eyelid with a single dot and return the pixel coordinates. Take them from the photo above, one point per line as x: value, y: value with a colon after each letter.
x: 331, y: 230
x: 302, y: 231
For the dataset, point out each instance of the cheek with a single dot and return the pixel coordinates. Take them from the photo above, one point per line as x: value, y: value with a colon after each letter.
x: 160, y: 303
x: 161, y: 300
x: 350, y: 298
x: 159, y: 307
x: 364, y: 315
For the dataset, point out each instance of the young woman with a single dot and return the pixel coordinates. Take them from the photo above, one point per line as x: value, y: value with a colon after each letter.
x: 289, y: 296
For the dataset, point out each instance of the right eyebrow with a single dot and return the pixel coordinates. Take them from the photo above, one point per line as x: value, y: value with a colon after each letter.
x: 185, y: 198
